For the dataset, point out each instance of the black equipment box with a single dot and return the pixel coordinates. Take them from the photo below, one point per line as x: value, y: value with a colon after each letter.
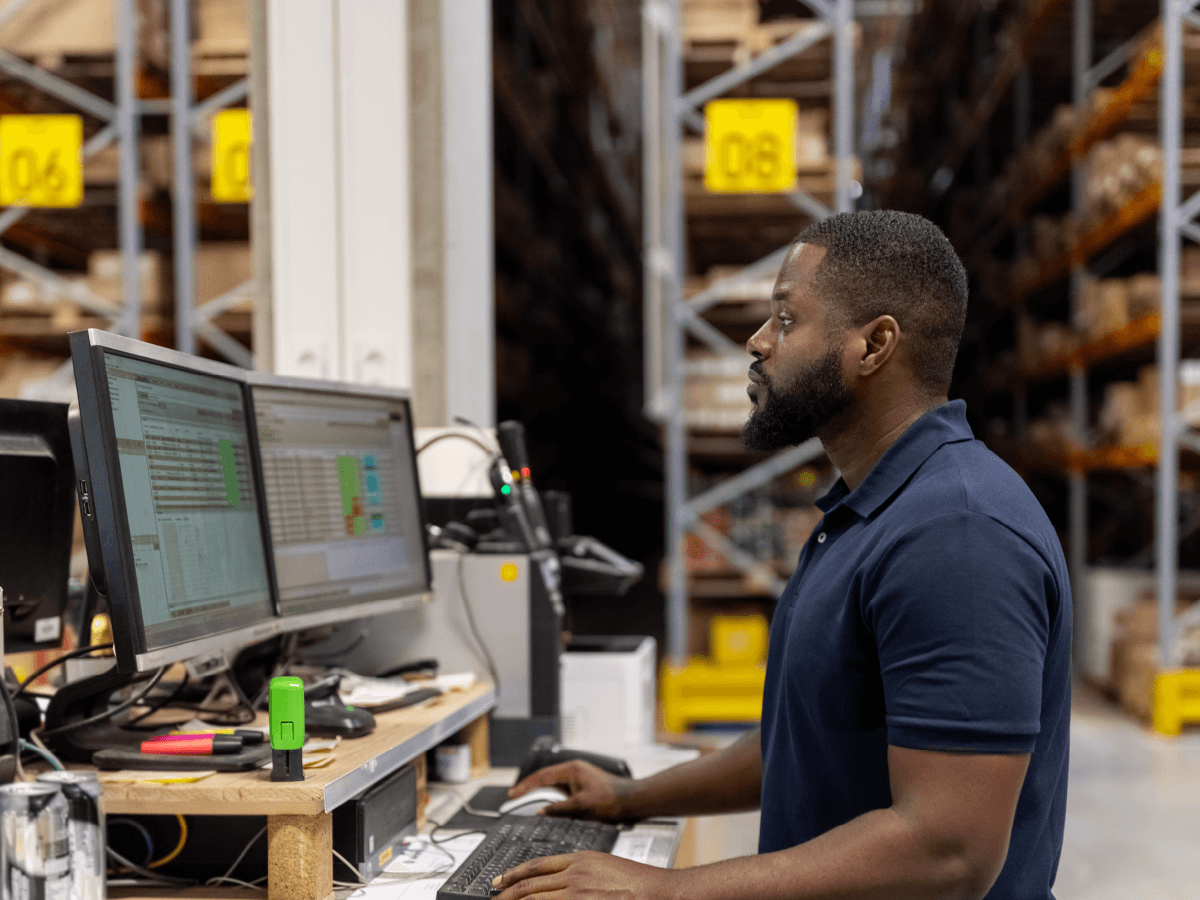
x: 368, y: 828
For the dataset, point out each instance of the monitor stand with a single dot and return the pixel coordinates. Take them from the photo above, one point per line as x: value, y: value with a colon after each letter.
x: 110, y: 746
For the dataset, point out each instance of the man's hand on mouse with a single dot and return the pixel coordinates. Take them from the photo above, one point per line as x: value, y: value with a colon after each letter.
x: 587, y: 873
x: 592, y: 792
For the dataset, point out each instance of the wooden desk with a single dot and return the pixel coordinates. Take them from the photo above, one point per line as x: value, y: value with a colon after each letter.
x: 299, y: 814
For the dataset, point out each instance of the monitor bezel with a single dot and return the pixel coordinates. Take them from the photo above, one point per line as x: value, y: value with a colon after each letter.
x: 379, y: 605
x: 111, y: 516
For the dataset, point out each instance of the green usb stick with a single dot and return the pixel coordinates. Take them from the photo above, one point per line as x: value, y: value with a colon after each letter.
x: 286, y: 710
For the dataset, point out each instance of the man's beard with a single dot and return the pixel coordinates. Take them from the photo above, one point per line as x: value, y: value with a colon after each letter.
x: 804, y: 409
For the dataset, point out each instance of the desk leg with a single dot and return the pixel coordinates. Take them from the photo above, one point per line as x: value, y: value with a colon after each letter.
x: 299, y: 857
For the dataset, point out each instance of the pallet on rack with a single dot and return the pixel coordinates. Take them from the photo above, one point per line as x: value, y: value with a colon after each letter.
x: 1143, y: 206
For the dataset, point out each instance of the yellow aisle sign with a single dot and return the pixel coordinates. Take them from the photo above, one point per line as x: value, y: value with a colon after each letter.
x: 41, y: 160
x: 231, y: 139
x: 750, y: 146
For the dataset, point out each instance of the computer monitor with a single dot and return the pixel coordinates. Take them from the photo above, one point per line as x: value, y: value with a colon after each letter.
x: 342, y: 498
x: 37, y: 518
x: 169, y: 490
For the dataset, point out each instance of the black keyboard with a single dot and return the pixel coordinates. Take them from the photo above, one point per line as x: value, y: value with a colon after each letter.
x: 516, y: 839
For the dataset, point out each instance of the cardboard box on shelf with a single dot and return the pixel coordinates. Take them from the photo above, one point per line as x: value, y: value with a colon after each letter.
x: 715, y: 391
x: 221, y: 267
x: 106, y: 279
x: 1134, y: 659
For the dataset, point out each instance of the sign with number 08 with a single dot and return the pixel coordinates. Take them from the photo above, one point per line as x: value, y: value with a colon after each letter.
x: 750, y: 146
x: 232, y: 135
x: 41, y: 160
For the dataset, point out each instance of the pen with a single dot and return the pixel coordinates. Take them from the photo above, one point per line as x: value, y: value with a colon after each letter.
x: 203, y: 745
x: 245, y: 735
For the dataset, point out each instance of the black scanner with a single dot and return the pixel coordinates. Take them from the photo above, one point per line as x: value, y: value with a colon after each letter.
x: 547, y: 751
x: 325, y: 714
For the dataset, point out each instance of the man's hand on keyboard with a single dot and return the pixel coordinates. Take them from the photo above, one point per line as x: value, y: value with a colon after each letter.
x: 588, y: 873
x: 592, y: 792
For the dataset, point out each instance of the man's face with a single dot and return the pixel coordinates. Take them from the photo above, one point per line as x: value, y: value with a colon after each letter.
x: 797, y: 385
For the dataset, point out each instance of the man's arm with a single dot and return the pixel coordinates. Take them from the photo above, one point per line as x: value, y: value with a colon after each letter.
x: 945, y: 837
x: 729, y: 780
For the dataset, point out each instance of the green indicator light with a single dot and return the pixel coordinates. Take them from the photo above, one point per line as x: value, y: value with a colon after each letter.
x: 506, y: 490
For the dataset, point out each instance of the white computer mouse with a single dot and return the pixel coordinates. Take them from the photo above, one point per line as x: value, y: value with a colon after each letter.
x: 530, y: 803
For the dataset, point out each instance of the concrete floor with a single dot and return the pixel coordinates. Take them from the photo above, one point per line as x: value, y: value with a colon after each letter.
x: 1133, y: 809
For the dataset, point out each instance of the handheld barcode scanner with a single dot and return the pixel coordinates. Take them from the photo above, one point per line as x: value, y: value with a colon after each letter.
x: 286, y: 711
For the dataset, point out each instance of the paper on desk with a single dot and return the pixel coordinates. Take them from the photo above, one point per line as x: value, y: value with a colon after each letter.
x: 417, y: 855
x: 317, y: 753
x: 128, y: 775
x: 361, y: 690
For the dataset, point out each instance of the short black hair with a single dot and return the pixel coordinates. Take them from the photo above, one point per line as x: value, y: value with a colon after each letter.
x: 885, y: 262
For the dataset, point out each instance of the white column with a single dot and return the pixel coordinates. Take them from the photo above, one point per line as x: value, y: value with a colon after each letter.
x: 469, y: 256
x: 337, y: 133
x: 305, y: 231
x: 376, y: 241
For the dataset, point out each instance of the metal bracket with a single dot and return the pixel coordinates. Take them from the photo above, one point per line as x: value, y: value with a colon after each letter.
x: 804, y: 38
x: 754, y: 477
x: 742, y: 560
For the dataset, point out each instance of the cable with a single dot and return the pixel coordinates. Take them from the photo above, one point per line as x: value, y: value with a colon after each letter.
x: 393, y: 877
x: 44, y: 754
x: 70, y: 654
x: 155, y: 707
x: 146, y: 873
x: 437, y: 827
x: 135, y: 824
x: 108, y: 713
x: 445, y: 436
x: 37, y: 742
x: 256, y: 884
x: 462, y: 588
x: 11, y: 711
x: 286, y: 654
x: 183, y: 836
x: 240, y: 856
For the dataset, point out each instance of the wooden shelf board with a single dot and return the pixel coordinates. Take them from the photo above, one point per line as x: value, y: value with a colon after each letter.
x: 1139, y: 334
x: 1104, y: 459
x: 1141, y: 80
x: 1140, y: 208
x: 253, y: 793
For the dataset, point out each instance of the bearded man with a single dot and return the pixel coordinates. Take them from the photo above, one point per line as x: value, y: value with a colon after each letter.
x: 914, y: 734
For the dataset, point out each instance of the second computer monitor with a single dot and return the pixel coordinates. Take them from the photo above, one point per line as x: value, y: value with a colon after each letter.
x: 340, y: 482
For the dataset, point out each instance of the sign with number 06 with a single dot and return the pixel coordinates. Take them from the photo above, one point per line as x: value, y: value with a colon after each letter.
x: 750, y: 146
x: 41, y: 160
x: 232, y: 134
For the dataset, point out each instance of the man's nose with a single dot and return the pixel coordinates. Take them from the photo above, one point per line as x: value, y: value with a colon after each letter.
x: 758, y: 346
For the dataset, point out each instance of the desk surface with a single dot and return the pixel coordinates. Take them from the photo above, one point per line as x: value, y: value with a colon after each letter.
x: 399, y: 736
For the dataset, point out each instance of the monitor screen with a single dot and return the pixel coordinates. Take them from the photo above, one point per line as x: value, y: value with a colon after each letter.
x: 173, y: 488
x: 344, y: 510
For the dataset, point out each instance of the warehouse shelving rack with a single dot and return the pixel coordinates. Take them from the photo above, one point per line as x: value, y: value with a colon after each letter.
x: 668, y: 109
x: 1149, y: 65
x: 121, y: 118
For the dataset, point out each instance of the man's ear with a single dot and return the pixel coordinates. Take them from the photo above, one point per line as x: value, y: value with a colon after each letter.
x: 881, y: 336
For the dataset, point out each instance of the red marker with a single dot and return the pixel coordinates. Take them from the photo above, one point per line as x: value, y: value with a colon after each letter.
x: 204, y: 745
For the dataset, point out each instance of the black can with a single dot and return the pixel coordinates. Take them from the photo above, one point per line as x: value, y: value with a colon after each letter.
x: 86, y: 829
x: 34, y: 821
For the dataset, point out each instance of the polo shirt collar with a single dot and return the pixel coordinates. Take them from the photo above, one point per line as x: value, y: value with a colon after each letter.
x: 945, y: 424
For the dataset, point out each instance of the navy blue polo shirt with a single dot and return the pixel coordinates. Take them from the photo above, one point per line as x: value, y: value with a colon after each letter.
x: 931, y: 610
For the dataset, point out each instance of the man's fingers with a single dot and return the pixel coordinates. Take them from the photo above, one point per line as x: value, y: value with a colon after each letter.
x: 542, y: 865
x: 562, y: 807
x: 550, y: 776
x: 543, y: 885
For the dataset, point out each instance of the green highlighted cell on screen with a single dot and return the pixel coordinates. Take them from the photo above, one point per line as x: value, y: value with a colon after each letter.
x: 229, y: 472
x: 351, y: 489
